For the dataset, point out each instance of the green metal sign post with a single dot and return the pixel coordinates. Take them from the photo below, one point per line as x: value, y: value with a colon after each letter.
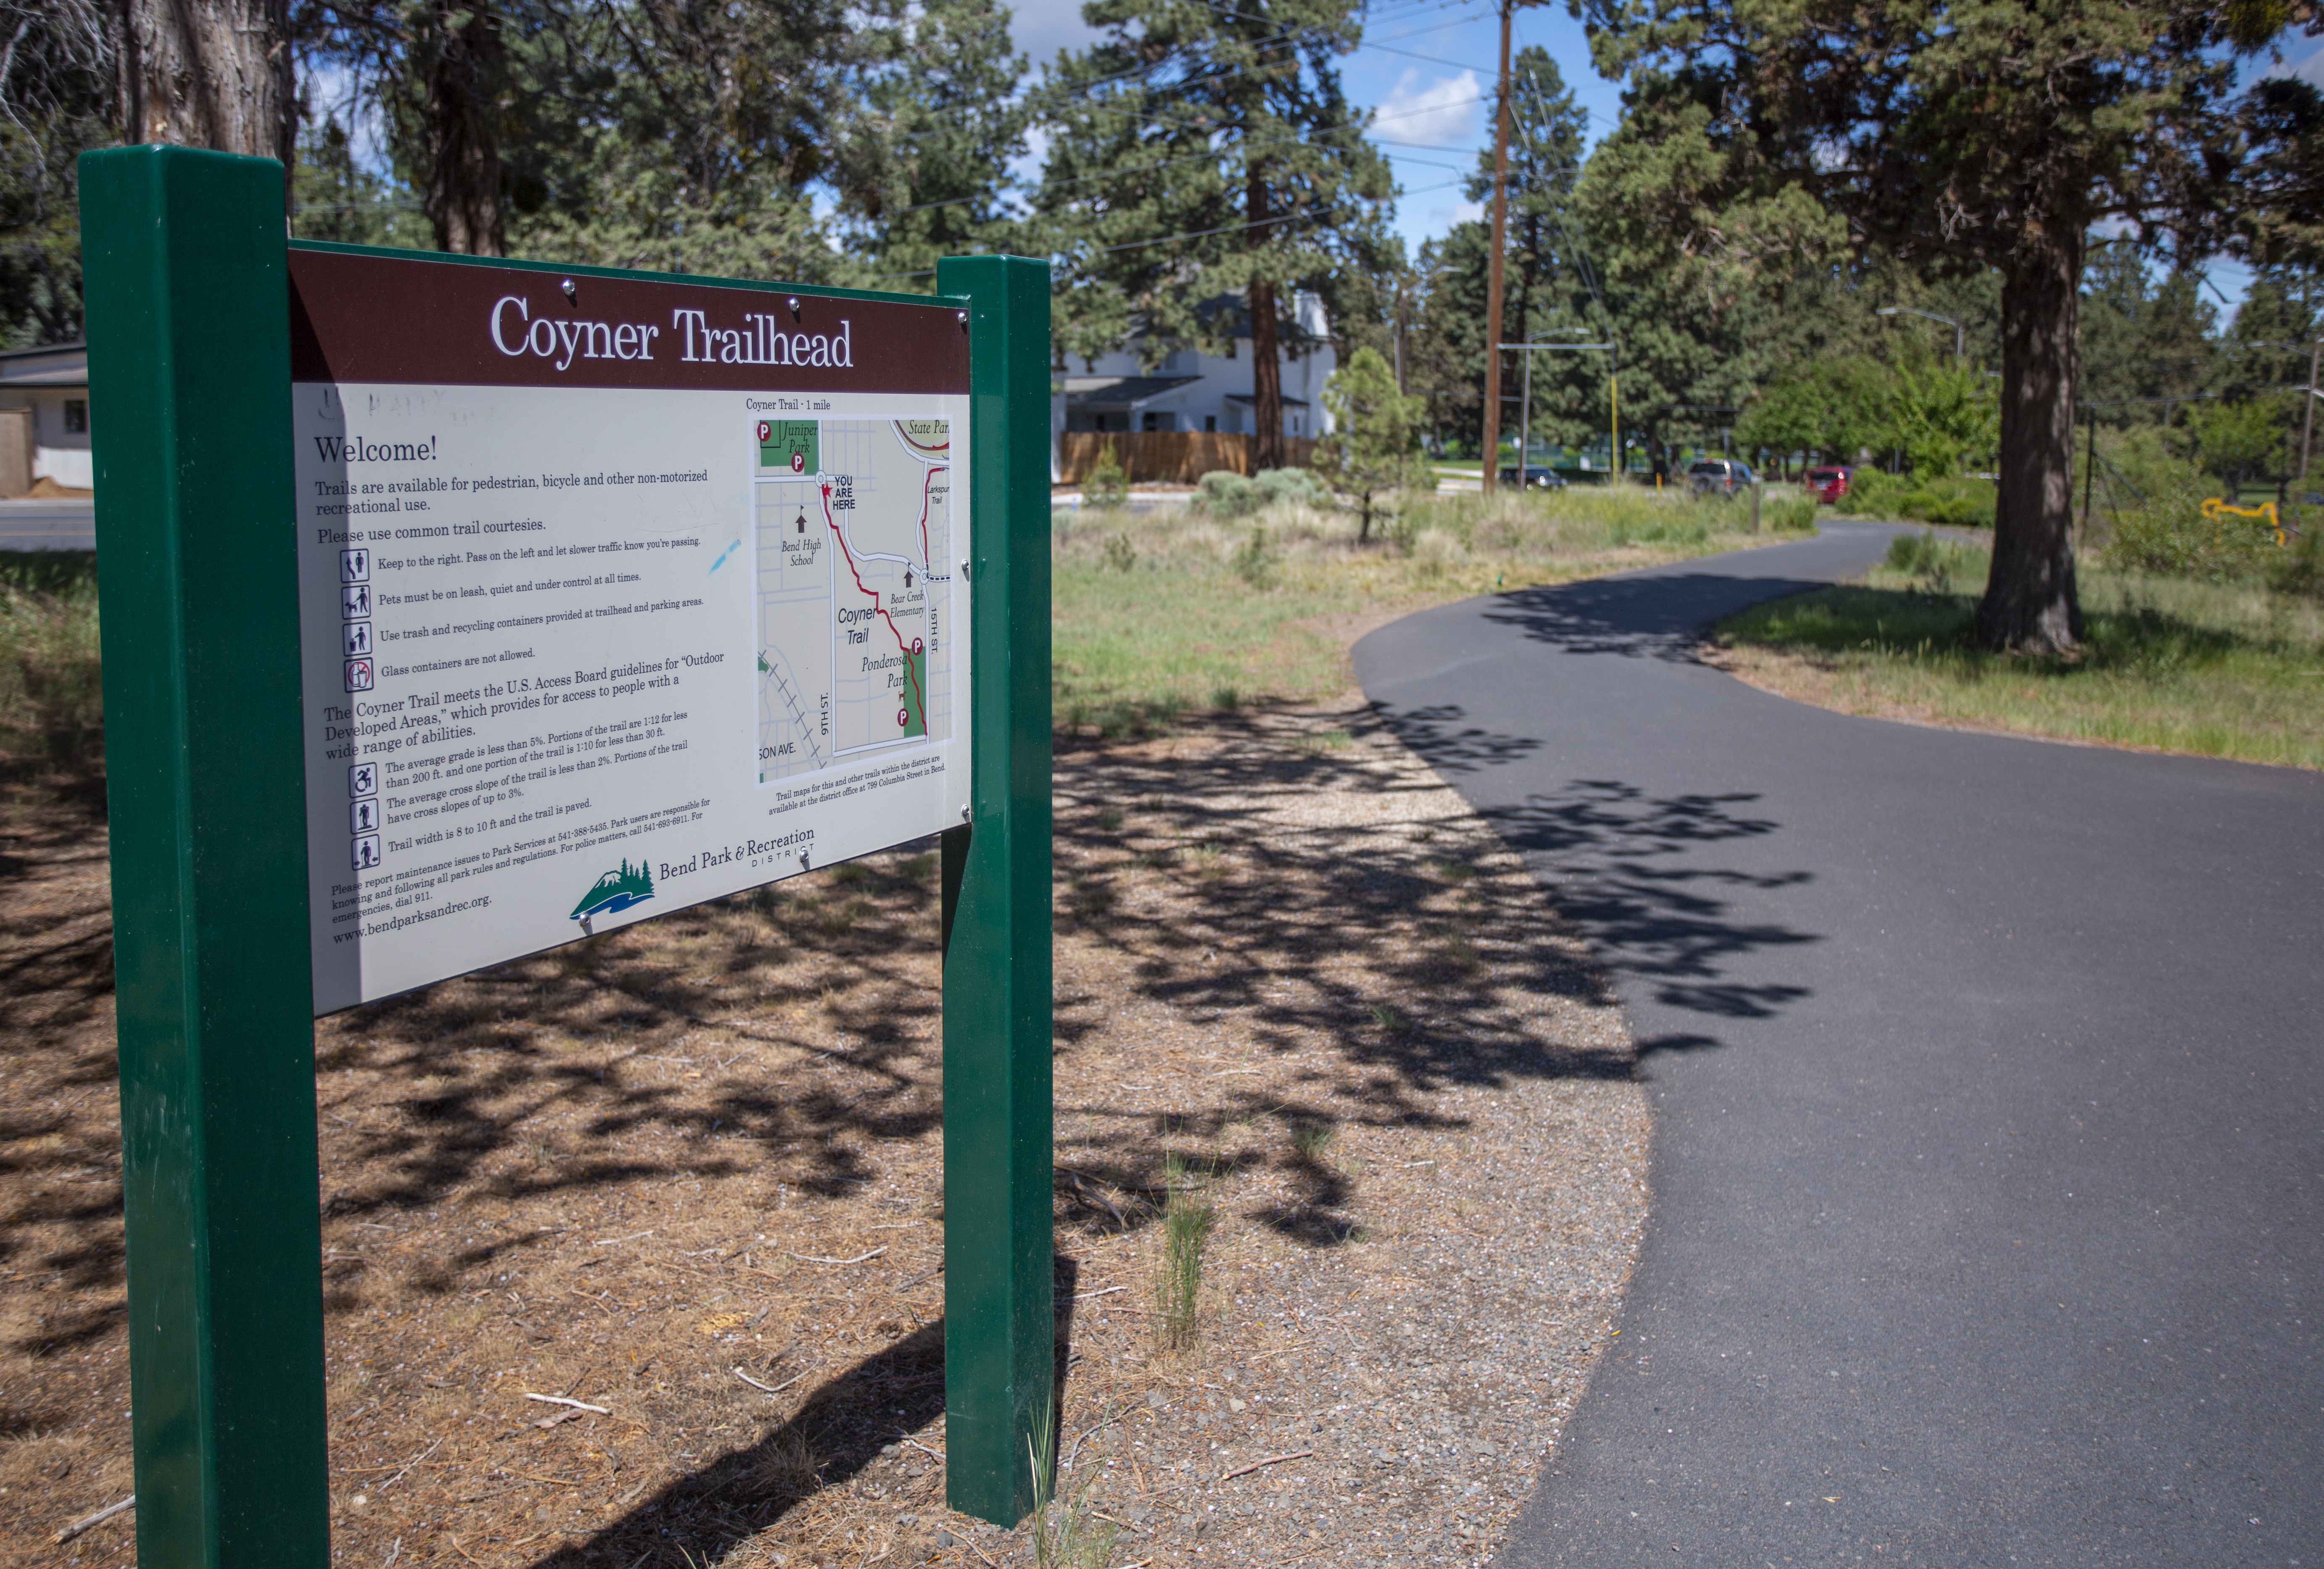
x: 189, y: 356
x: 191, y: 352
x: 999, y: 1363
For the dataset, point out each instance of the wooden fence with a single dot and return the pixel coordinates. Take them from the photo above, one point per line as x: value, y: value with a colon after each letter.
x: 1170, y: 456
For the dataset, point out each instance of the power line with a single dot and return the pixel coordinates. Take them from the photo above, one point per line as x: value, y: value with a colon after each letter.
x: 1285, y: 220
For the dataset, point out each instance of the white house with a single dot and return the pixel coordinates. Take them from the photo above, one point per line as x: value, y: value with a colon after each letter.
x: 1189, y: 391
x: 53, y: 383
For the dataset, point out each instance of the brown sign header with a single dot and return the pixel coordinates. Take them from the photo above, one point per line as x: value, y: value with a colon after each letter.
x: 444, y: 321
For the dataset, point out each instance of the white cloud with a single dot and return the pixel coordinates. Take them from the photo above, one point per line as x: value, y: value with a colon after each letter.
x: 1039, y: 28
x: 1440, y: 113
x: 2301, y: 58
x: 1443, y: 219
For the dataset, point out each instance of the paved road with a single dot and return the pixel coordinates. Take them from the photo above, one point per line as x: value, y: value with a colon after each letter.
x: 1988, y: 1166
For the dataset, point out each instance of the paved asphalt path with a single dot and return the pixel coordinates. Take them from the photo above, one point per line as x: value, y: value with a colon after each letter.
x: 1986, y: 1223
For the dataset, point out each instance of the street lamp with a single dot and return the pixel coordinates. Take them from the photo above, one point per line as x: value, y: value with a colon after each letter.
x: 1960, y: 352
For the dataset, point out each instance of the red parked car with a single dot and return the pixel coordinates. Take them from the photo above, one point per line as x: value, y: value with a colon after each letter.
x: 1828, y: 481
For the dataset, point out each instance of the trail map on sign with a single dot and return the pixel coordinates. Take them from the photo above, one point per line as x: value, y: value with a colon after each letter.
x: 853, y: 519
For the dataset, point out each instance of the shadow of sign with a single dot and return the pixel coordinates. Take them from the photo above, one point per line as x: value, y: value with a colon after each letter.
x: 838, y: 1431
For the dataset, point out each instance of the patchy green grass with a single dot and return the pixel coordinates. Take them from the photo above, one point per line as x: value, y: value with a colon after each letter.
x: 51, y: 706
x: 1158, y: 614
x: 2232, y: 669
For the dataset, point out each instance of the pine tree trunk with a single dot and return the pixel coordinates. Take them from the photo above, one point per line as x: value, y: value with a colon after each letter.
x: 1266, y: 379
x: 2030, y: 605
x: 208, y: 73
x: 465, y: 76
x: 1266, y: 354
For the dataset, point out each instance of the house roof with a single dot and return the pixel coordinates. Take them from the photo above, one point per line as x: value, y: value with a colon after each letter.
x: 1253, y: 397
x: 1119, y: 392
x: 63, y: 365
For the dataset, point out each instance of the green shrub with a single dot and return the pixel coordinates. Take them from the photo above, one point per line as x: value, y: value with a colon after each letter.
x: 1252, y: 559
x: 1960, y: 503
x: 2171, y: 536
x: 1788, y: 512
x: 1106, y: 484
x: 1938, y: 566
x: 2301, y: 570
x: 1293, y: 484
x: 2149, y: 512
x: 1226, y: 495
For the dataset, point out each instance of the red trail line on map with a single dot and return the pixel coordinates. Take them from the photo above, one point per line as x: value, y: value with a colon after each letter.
x: 880, y: 610
x: 927, y: 556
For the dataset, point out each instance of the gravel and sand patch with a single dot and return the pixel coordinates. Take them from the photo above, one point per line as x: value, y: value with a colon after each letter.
x: 687, y: 1172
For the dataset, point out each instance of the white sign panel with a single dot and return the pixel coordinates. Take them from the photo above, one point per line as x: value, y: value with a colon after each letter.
x: 576, y: 656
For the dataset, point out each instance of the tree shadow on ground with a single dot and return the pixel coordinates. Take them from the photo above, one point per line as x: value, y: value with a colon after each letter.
x: 1629, y: 871
x: 1661, y: 616
x: 523, y: 1041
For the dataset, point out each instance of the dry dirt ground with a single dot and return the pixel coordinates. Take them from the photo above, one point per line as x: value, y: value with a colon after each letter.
x: 688, y: 1172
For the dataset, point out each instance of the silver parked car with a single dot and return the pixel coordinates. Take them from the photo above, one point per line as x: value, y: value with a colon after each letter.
x: 1719, y: 476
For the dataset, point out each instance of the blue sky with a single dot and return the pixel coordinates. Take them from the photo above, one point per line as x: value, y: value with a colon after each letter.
x: 1443, y: 102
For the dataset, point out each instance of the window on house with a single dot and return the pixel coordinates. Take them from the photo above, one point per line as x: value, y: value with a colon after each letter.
x: 77, y: 416
x: 1211, y: 422
x: 1154, y: 421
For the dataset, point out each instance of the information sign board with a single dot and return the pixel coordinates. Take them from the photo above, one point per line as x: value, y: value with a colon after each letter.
x: 573, y: 656
x: 507, y: 605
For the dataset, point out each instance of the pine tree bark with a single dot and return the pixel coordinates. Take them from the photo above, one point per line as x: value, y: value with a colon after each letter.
x: 208, y: 73
x: 465, y: 70
x: 2031, y: 603
x: 1266, y: 346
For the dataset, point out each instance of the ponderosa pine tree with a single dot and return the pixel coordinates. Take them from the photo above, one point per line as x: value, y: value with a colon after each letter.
x: 58, y: 84
x: 1200, y: 155
x: 1969, y: 136
x: 208, y: 73
x: 927, y: 167
x: 1374, y: 446
x: 440, y: 74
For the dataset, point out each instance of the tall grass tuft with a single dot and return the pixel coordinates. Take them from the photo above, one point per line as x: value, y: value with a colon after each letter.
x: 1071, y: 1535
x: 1188, y: 1218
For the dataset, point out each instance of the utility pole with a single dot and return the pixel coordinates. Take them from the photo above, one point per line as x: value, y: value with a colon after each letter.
x: 2307, y: 415
x: 1493, y: 287
x: 2089, y: 473
x: 1525, y: 420
x: 1403, y: 286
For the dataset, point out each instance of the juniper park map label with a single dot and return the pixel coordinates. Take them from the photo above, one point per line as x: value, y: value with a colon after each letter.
x: 617, y: 595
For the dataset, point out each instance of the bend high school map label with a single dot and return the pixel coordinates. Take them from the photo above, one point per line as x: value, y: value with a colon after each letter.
x: 615, y: 595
